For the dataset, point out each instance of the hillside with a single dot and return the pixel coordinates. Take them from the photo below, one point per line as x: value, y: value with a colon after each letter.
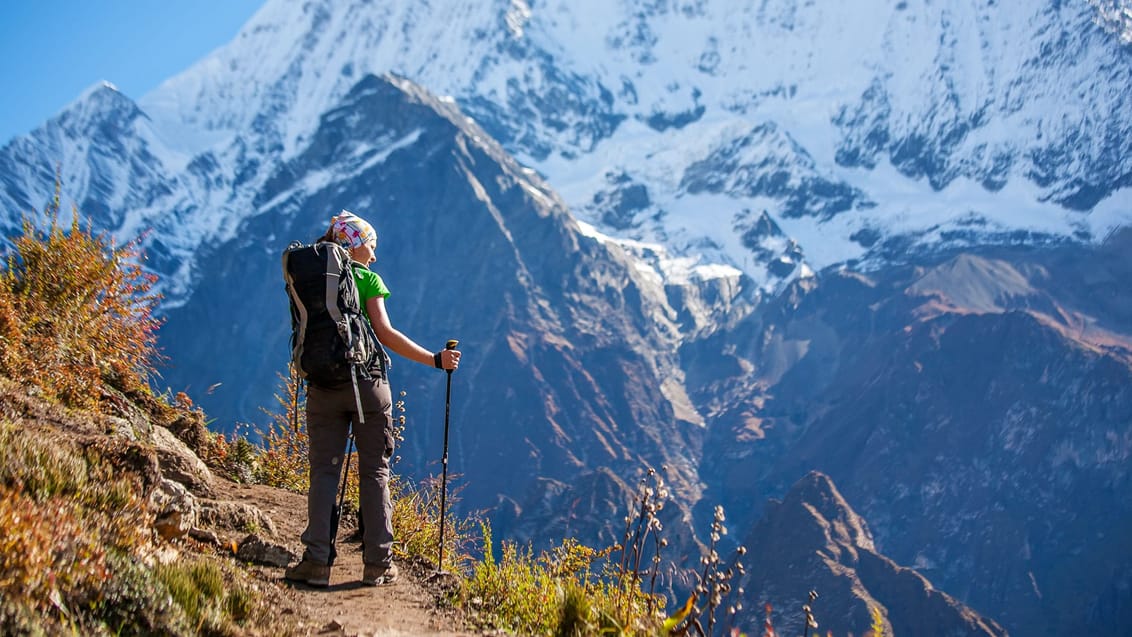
x: 113, y: 523
x: 230, y: 540
x: 192, y: 522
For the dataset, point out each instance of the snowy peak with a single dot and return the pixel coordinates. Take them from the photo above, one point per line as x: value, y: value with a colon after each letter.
x: 106, y: 151
x: 990, y: 106
x: 863, y: 131
x: 767, y: 162
x: 99, y: 106
x: 1115, y: 17
x: 293, y: 62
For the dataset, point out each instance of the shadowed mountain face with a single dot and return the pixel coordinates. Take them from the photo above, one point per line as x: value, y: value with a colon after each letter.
x: 978, y: 412
x: 813, y: 540
x: 973, y: 406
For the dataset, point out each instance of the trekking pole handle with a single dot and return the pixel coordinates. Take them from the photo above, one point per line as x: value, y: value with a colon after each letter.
x: 451, y: 344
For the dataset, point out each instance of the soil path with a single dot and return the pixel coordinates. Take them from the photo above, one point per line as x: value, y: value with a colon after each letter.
x: 409, y: 606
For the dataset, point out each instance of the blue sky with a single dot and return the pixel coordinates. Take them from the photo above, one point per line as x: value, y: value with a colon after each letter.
x: 52, y: 50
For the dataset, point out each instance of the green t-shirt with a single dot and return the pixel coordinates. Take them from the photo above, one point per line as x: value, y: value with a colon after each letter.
x: 369, y: 285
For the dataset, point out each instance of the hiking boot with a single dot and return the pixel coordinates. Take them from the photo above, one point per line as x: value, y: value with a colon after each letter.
x: 374, y: 574
x: 309, y: 573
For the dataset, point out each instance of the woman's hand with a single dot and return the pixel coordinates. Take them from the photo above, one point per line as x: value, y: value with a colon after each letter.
x: 448, y: 359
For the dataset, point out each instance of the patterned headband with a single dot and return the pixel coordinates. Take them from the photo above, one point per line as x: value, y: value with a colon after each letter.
x: 351, y: 231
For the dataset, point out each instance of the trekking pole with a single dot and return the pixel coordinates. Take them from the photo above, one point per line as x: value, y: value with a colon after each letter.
x: 451, y: 344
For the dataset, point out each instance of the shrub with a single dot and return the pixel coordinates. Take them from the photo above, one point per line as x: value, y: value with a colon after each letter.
x: 67, y: 519
x: 512, y: 594
x: 557, y: 592
x: 44, y: 468
x: 75, y: 312
x: 74, y: 547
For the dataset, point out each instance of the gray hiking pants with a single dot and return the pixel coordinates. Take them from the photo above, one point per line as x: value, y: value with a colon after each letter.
x: 329, y: 414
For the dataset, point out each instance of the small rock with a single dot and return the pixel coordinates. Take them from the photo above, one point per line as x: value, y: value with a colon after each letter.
x: 237, y: 516
x: 256, y: 550
x: 176, y: 508
x: 128, y: 419
x: 205, y: 536
x: 114, y: 426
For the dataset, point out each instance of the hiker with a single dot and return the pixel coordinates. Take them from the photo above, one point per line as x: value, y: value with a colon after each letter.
x: 330, y: 411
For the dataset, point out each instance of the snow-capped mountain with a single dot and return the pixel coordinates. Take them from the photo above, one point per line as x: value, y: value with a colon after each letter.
x: 862, y: 128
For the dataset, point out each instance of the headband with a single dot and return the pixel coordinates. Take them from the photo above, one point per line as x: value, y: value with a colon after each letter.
x: 351, y: 231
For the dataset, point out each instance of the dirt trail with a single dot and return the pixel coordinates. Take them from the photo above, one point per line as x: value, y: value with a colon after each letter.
x: 346, y: 607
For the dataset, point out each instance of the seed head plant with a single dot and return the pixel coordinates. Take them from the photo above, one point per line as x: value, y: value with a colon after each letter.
x: 642, y: 536
x: 808, y: 615
x: 713, y: 587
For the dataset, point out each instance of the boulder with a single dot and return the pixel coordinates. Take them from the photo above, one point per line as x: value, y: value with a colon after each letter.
x: 179, y: 463
x: 115, y: 426
x: 124, y: 416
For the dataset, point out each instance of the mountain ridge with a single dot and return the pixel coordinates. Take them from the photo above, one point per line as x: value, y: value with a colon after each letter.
x: 1009, y: 137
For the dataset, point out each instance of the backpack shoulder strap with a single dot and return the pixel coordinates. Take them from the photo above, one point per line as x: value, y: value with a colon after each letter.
x: 336, y: 266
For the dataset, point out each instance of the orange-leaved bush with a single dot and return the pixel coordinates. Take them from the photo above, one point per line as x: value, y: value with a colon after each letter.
x: 76, y: 312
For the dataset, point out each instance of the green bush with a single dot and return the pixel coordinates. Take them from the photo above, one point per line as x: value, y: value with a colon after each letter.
x: 214, y: 602
x: 557, y: 592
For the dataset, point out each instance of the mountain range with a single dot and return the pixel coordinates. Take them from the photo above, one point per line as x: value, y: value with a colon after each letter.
x: 737, y: 242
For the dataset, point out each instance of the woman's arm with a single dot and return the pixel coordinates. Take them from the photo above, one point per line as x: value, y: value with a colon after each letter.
x: 401, y: 344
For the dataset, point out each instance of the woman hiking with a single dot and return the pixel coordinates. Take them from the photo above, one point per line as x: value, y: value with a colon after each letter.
x: 330, y: 413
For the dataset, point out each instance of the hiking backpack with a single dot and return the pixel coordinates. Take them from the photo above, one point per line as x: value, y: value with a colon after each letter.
x: 332, y: 342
